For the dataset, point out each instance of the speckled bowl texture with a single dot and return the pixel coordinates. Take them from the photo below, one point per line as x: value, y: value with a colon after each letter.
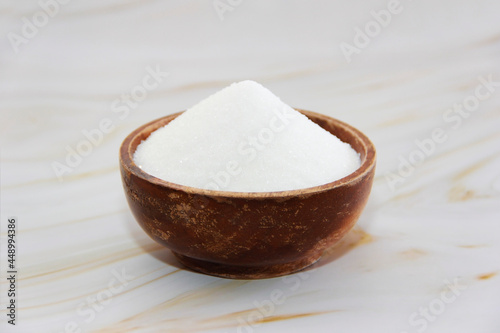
x: 248, y: 235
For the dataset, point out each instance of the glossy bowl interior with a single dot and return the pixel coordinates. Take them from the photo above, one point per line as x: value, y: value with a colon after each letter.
x: 248, y: 235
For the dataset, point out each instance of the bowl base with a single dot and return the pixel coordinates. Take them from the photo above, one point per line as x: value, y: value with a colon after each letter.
x: 246, y: 272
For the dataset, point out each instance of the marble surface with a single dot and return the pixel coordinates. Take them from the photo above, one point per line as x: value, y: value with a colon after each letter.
x: 424, y: 256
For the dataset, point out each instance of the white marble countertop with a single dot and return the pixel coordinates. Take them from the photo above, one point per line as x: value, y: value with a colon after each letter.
x: 424, y: 256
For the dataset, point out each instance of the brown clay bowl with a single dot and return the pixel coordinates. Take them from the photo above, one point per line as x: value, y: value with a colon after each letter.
x: 248, y: 235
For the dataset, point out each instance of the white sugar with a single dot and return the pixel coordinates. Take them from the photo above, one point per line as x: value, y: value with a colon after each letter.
x: 245, y: 139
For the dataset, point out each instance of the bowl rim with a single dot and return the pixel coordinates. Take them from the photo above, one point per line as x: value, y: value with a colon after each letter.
x: 367, y: 164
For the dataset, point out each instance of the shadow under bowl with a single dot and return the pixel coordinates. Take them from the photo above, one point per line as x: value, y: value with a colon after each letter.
x: 248, y: 235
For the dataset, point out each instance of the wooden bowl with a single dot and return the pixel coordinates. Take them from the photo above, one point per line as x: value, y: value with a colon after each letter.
x: 248, y: 235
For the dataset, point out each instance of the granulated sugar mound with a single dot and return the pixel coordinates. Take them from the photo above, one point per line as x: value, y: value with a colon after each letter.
x: 245, y: 139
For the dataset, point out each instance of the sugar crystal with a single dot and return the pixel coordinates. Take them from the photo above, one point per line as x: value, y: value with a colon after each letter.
x: 245, y: 139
